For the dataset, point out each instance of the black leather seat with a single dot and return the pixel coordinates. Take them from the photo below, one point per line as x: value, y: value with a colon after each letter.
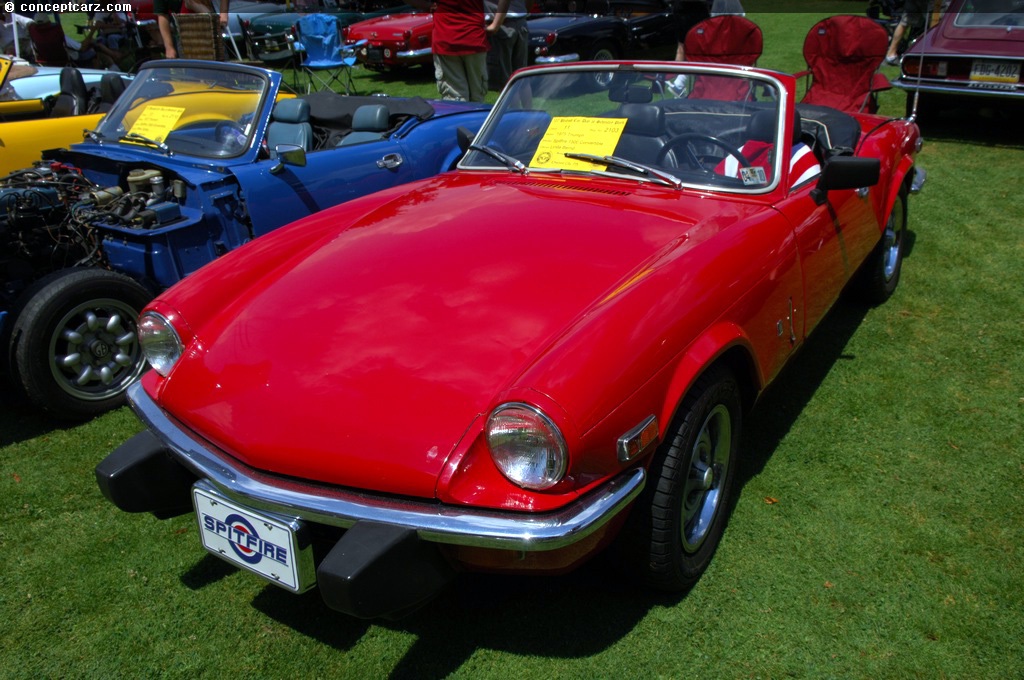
x: 643, y: 137
x: 73, y: 99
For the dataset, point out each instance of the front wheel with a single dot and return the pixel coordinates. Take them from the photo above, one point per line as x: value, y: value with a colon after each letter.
x: 881, y: 273
x: 686, y: 507
x: 74, y: 343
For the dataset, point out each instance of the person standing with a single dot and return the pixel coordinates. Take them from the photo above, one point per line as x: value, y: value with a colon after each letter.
x: 912, y: 17
x: 460, y: 43
x: 12, y: 24
x: 510, y: 44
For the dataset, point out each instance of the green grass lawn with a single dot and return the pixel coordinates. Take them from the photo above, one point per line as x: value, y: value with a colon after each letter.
x: 878, y: 531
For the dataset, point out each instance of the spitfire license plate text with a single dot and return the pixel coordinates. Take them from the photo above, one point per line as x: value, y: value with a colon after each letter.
x: 270, y: 546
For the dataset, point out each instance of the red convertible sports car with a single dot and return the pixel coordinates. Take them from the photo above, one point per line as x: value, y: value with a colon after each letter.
x: 509, y: 366
x: 393, y: 40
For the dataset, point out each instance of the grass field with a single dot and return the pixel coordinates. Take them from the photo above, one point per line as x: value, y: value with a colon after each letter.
x: 878, y: 532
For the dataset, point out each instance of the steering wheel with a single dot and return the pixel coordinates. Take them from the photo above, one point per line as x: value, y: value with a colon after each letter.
x: 693, y: 158
x: 230, y: 136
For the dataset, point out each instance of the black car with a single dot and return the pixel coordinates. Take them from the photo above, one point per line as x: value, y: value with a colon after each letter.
x: 611, y: 29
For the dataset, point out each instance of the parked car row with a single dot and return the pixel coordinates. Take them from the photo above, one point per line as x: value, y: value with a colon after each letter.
x: 390, y: 340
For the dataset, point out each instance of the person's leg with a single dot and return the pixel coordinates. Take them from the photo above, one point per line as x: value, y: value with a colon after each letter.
x: 475, y: 69
x: 897, y: 36
x: 450, y: 74
x: 167, y: 35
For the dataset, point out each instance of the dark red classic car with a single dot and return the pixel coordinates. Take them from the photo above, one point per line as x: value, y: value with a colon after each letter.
x: 976, y: 50
x: 509, y: 366
x: 393, y: 40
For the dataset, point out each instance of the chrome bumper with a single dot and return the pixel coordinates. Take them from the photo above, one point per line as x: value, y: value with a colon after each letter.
x: 340, y: 507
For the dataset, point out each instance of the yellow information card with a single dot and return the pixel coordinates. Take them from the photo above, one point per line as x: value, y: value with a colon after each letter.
x: 156, y: 122
x: 577, y: 134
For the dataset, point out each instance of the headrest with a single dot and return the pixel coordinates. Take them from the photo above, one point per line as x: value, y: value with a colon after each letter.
x: 71, y: 82
x: 371, y: 118
x: 645, y: 120
x: 111, y: 87
x: 291, y: 111
x: 762, y: 126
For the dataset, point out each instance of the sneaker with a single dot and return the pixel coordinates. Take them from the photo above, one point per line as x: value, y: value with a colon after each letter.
x: 892, y: 61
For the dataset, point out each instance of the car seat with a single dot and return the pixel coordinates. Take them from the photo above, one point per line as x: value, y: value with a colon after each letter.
x: 643, y: 137
x: 289, y: 124
x: 111, y: 87
x: 73, y: 99
x: 369, y: 123
x: 843, y: 55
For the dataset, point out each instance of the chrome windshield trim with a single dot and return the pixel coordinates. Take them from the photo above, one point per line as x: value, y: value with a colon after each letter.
x: 342, y: 507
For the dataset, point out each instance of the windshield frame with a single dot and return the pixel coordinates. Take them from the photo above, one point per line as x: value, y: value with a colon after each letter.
x: 782, y: 104
x: 216, y: 77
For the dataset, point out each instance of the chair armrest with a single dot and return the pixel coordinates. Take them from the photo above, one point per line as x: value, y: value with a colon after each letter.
x: 879, y: 83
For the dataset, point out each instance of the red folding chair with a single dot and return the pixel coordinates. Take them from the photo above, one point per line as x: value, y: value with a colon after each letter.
x: 843, y: 55
x: 727, y: 39
x: 48, y: 43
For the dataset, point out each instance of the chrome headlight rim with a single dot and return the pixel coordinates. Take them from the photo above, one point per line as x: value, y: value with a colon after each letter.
x: 530, y: 467
x: 160, y: 342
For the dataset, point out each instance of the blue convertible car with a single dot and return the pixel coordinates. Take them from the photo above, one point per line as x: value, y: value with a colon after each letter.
x: 194, y: 160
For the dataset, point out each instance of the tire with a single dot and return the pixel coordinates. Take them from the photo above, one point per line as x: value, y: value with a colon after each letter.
x: 881, y: 272
x: 601, y: 51
x: 74, y: 345
x: 689, y: 496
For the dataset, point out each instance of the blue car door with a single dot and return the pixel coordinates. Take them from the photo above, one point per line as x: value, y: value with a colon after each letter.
x: 277, y: 193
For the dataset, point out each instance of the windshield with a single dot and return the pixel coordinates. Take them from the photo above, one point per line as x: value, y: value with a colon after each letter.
x: 991, y: 13
x: 678, y: 126
x: 209, y: 112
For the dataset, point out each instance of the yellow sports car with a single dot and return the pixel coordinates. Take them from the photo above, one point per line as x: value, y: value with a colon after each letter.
x: 46, y: 107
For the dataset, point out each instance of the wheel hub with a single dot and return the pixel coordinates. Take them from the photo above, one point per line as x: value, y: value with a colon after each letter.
x: 94, y: 349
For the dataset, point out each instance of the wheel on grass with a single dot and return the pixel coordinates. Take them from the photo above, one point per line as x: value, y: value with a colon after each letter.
x: 74, y: 345
x: 881, y: 272
x: 686, y: 505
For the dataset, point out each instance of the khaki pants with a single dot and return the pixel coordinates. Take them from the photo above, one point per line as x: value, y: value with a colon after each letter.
x: 463, y: 78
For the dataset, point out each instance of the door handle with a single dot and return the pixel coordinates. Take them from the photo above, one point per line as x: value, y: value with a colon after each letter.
x: 390, y: 161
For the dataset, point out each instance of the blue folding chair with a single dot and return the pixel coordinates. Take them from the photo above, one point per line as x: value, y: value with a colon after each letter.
x: 326, y: 61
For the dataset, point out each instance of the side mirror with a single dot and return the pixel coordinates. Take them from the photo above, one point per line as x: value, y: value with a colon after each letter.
x: 288, y: 154
x: 845, y: 172
x: 464, y: 136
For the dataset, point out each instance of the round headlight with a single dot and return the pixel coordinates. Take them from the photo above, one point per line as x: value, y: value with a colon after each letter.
x: 526, y: 446
x: 160, y: 342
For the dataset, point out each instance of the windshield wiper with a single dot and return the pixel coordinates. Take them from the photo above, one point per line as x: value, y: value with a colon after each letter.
x: 660, y: 175
x: 93, y: 135
x: 510, y: 163
x: 135, y: 137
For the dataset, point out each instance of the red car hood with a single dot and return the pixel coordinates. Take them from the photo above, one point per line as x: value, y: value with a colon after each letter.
x: 361, y: 357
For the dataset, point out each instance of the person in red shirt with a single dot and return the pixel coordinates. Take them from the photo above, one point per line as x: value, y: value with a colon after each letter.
x: 460, y: 42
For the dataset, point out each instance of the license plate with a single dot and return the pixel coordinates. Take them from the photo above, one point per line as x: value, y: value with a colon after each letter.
x: 375, y: 55
x: 995, y: 71
x: 272, y: 546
